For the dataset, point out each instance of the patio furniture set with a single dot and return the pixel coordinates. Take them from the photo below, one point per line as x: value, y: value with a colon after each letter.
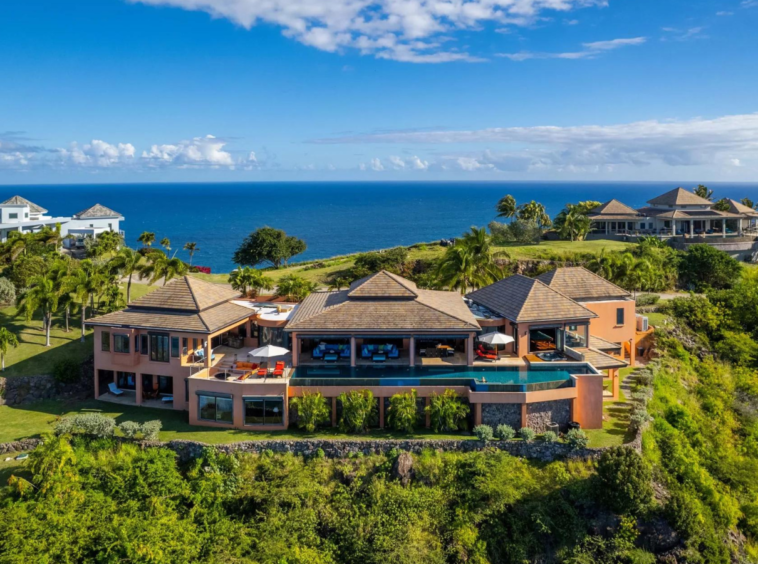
x: 331, y: 353
x: 438, y: 351
x: 379, y: 353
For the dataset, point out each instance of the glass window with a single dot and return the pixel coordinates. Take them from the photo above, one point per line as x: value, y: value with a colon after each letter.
x: 126, y: 380
x: 165, y: 385
x: 264, y: 411
x: 620, y: 316
x: 211, y: 408
x: 121, y: 343
x: 576, y: 336
x: 185, y: 344
x: 143, y: 347
x: 175, y: 347
x: 105, y: 341
x: 136, y: 343
x: 147, y: 383
x: 543, y: 339
x: 12, y: 216
x: 159, y: 347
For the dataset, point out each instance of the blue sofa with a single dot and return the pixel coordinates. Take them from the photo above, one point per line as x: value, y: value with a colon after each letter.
x: 343, y: 351
x: 368, y: 351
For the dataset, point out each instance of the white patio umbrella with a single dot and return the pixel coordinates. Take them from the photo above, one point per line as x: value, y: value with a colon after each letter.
x: 496, y: 338
x: 267, y: 352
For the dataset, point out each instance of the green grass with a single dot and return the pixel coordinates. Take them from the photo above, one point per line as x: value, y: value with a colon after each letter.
x: 615, y: 429
x: 656, y: 319
x: 28, y: 421
x: 331, y: 266
x: 11, y: 467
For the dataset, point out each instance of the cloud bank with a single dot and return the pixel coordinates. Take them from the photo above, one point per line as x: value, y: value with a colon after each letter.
x: 402, y: 30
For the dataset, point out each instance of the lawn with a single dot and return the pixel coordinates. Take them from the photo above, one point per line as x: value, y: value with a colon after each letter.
x: 615, y: 429
x: 10, y: 467
x: 321, y: 271
x: 31, y: 420
x: 32, y: 358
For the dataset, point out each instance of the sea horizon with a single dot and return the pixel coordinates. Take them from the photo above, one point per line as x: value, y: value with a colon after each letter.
x: 334, y: 218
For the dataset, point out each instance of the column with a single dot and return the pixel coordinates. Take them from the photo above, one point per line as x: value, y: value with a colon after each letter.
x: 138, y: 389
x: 381, y: 413
x: 632, y: 352
x: 692, y: 230
x: 477, y: 414
x: 208, y: 353
x: 412, y: 352
x: 427, y: 403
x: 295, y: 350
x: 352, y: 351
x: 523, y: 415
x: 723, y: 228
x: 470, y: 350
x: 334, y: 412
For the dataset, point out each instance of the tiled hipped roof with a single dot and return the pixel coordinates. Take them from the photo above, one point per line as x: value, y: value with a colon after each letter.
x: 679, y: 197
x: 383, y: 302
x: 521, y: 299
x: 579, y: 283
x: 98, y: 210
x: 19, y: 201
x: 613, y: 209
x: 186, y: 293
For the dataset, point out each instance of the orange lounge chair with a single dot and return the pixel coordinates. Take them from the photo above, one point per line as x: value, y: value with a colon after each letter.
x: 262, y: 371
x: 481, y: 352
x: 279, y: 369
x: 244, y: 377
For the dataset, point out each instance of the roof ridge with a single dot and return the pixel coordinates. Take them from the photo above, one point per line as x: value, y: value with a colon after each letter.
x: 593, y: 314
x: 438, y: 310
x: 596, y: 275
x: 327, y: 308
x: 191, y: 291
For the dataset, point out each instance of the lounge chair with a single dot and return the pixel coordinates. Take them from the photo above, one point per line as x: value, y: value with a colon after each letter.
x: 262, y: 371
x: 244, y: 377
x: 279, y: 369
x: 114, y: 390
x: 167, y: 399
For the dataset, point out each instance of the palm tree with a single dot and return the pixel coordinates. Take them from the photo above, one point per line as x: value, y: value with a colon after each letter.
x: 17, y: 244
x: 574, y: 225
x: 60, y: 270
x: 41, y: 295
x: 506, y: 207
x: 191, y: 248
x: 243, y: 278
x: 470, y: 262
x: 7, y: 339
x: 84, y: 283
x: 294, y: 288
x: 534, y: 211
x: 147, y: 238
x: 748, y: 202
x: 160, y: 266
x: 339, y: 283
x: 722, y: 205
x: 126, y: 263
x: 703, y: 192
x: 166, y: 243
x: 603, y: 264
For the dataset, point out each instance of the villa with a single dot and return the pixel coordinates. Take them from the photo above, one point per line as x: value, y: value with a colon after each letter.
x: 186, y: 346
x: 678, y: 212
x: 21, y: 215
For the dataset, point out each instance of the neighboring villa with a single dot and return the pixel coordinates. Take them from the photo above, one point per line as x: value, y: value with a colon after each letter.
x: 678, y: 212
x: 19, y: 214
x: 185, y: 346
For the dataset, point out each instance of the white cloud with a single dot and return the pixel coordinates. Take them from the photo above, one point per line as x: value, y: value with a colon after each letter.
x: 724, y: 13
x: 98, y: 154
x: 590, y: 51
x: 675, y: 34
x: 376, y: 165
x: 394, y: 162
x: 403, y: 30
x: 722, y: 141
x: 199, y: 151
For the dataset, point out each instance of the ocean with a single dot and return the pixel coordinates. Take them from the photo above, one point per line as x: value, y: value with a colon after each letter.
x: 333, y: 218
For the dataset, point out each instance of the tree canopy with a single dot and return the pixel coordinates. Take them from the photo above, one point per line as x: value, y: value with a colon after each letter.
x: 268, y: 245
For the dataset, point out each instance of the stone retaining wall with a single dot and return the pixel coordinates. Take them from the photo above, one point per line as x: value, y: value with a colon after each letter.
x: 20, y: 446
x: 494, y: 414
x: 18, y: 390
x: 540, y: 414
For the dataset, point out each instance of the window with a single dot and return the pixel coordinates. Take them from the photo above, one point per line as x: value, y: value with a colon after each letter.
x: 12, y: 216
x: 166, y: 385
x: 215, y: 407
x: 620, y: 316
x: 136, y: 343
x: 147, y: 384
x: 121, y: 343
x: 159, y: 347
x: 264, y: 411
x: 185, y: 344
x: 105, y: 341
x: 576, y: 336
x: 126, y: 380
x: 174, y: 347
x: 143, y: 346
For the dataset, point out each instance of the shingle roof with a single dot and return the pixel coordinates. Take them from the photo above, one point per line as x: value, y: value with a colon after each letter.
x: 578, y: 283
x: 521, y: 299
x: 679, y: 197
x: 188, y: 294
x: 18, y: 200
x: 603, y: 345
x: 740, y: 208
x: 384, y: 302
x: 601, y: 360
x: 98, y: 210
x: 383, y: 284
x: 183, y: 304
x: 613, y: 209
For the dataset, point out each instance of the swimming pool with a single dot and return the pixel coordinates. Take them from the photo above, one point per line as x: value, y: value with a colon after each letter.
x: 478, y: 378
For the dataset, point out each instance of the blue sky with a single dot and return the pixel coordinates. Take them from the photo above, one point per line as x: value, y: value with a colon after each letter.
x: 239, y: 90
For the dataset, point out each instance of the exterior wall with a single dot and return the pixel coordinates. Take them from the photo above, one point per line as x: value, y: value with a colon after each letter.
x: 108, y: 223
x: 494, y: 414
x: 7, y: 209
x: 588, y: 406
x: 540, y: 414
x: 604, y: 325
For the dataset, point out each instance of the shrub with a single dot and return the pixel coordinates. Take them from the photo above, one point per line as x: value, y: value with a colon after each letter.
x: 483, y: 432
x: 447, y: 412
x: 737, y: 348
x: 576, y: 438
x: 646, y: 299
x: 87, y: 424
x: 704, y: 267
x: 550, y: 437
x: 358, y: 408
x: 505, y: 432
x: 67, y: 371
x: 526, y: 433
x: 624, y: 481
x: 402, y: 414
x: 7, y: 292
x: 312, y: 410
x: 320, y: 453
x: 130, y: 429
x: 151, y: 429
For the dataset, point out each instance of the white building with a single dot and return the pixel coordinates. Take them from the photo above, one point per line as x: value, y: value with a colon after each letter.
x: 19, y: 214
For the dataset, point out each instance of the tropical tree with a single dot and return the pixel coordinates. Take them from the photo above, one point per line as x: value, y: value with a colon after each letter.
x: 243, y: 278
x: 191, y: 248
x: 294, y: 288
x: 126, y: 263
x: 166, y: 243
x: 60, y: 270
x: 446, y: 411
x: 311, y: 409
x: 748, y: 202
x: 534, y: 211
x: 84, y: 283
x: 338, y: 283
x: 147, y: 238
x: 268, y: 245
x: 703, y: 192
x: 160, y: 266
x: 358, y: 410
x: 470, y: 262
x: 506, y: 207
x: 722, y: 205
x: 43, y: 296
x: 574, y: 225
x: 7, y: 339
